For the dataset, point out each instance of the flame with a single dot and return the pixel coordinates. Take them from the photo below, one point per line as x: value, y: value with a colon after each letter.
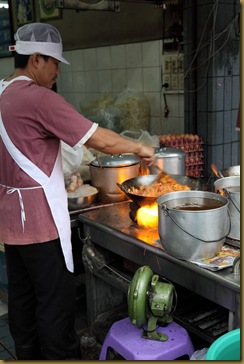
x: 214, y: 170
x: 143, y: 169
x: 147, y: 216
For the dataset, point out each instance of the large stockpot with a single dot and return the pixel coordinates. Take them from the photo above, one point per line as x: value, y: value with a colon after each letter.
x: 170, y: 160
x: 193, y: 224
x: 230, y: 187
x: 107, y: 171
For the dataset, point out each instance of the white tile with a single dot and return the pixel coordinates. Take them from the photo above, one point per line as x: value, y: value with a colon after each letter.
x: 104, y: 81
x: 91, y: 81
x: 134, y: 79
x: 59, y: 84
x: 77, y: 60
x: 118, y: 59
x: 181, y: 105
x: 151, y: 79
x: 90, y: 59
x: 69, y: 97
x: 78, y: 101
x: 171, y: 125
x: 79, y: 82
x: 155, y: 125
x: 67, y: 82
x: 104, y: 58
x: 86, y: 99
x: 154, y: 101
x: 151, y: 54
x: 133, y: 55
x: 118, y: 80
x: 63, y: 66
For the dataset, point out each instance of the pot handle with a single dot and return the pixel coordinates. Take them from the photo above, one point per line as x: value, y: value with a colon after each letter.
x: 122, y: 187
x: 167, y: 213
x: 226, y: 192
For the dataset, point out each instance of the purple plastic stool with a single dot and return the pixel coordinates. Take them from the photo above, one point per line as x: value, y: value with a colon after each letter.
x: 125, y: 339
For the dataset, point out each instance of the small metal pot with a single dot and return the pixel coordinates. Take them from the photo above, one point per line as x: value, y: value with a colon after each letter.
x: 193, y: 224
x: 169, y: 160
x: 107, y: 171
x: 231, y: 171
x: 230, y: 187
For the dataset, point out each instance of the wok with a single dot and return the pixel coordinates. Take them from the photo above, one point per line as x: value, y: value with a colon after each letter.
x: 146, y: 180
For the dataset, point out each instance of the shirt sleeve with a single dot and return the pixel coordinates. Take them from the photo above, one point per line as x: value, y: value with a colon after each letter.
x: 61, y: 119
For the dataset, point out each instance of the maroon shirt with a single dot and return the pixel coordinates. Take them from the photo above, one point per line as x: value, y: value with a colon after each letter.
x: 36, y: 119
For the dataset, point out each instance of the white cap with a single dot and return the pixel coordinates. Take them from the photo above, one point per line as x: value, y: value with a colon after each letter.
x: 41, y: 38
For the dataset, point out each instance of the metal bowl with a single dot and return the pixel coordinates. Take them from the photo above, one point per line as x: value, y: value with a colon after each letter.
x: 86, y: 198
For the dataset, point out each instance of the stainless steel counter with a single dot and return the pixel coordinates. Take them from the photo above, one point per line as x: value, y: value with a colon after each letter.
x: 111, y: 228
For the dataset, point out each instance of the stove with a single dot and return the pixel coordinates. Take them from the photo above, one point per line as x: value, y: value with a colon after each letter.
x: 112, y: 230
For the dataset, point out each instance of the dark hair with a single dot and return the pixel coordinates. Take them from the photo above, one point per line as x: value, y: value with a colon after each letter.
x: 21, y: 60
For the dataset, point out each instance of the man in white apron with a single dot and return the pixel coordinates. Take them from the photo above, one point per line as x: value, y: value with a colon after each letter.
x: 34, y: 217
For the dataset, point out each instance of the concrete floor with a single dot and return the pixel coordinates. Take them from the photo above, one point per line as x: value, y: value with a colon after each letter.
x: 91, y: 338
x: 90, y: 346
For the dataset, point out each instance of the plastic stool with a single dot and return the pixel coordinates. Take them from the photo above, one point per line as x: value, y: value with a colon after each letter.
x: 125, y: 338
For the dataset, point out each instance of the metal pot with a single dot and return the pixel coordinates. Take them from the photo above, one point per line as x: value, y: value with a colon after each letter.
x: 169, y: 160
x: 231, y: 171
x: 230, y: 187
x: 147, y: 180
x: 193, y: 224
x: 107, y: 171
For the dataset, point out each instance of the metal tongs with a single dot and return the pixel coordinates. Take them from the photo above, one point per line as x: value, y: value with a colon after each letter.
x: 161, y: 173
x: 216, y: 171
x: 144, y: 170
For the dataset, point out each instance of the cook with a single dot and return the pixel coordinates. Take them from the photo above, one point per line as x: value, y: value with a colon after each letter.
x: 34, y: 218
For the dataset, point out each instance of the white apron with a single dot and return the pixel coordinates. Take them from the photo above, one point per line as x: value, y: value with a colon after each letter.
x: 53, y: 187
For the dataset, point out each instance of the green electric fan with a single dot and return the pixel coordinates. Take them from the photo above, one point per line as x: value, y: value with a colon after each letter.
x: 150, y: 303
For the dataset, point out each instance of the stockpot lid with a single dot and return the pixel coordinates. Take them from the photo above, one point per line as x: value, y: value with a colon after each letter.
x: 168, y: 152
x: 118, y: 160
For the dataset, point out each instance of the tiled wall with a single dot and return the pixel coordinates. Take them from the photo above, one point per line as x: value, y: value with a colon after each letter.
x: 213, y: 111
x: 110, y: 70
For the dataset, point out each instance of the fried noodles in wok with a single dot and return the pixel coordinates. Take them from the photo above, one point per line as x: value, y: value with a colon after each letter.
x: 158, y: 188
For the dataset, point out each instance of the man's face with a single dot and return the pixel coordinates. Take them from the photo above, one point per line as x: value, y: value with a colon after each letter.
x: 47, y: 71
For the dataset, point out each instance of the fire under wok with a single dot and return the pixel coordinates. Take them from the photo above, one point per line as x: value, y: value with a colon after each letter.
x: 147, y: 180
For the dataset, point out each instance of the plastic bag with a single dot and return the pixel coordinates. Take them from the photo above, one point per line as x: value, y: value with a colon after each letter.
x: 103, y: 112
x: 199, y: 354
x: 142, y: 136
x: 107, y: 118
x: 71, y: 160
x: 134, y: 110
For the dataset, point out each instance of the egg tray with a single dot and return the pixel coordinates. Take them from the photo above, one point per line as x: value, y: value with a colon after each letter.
x: 192, y: 145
